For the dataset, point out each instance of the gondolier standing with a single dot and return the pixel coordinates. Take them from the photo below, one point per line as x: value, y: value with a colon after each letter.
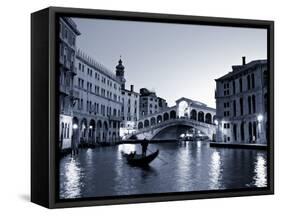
x: 144, y: 145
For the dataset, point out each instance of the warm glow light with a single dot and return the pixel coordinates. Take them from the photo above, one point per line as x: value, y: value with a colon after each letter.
x: 260, y: 118
x: 75, y: 126
x: 91, y: 127
x: 216, y: 122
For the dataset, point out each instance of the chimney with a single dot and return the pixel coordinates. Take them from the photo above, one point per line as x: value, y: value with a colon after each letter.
x: 132, y: 88
x: 243, y: 60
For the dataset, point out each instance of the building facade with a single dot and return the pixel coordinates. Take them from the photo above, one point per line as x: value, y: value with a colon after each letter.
x: 97, y: 111
x: 67, y: 50
x: 242, y: 104
x: 130, y: 108
x: 130, y: 102
x: 150, y: 103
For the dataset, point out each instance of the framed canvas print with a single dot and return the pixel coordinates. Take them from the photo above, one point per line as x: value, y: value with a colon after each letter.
x: 139, y: 107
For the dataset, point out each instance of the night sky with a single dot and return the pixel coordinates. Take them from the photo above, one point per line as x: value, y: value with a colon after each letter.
x: 175, y: 60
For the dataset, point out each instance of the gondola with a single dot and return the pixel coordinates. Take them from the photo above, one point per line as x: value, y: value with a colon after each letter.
x: 140, y: 160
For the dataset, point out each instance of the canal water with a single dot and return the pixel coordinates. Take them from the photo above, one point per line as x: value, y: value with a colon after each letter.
x: 187, y: 166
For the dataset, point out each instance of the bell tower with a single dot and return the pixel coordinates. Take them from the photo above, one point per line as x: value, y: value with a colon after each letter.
x: 120, y: 73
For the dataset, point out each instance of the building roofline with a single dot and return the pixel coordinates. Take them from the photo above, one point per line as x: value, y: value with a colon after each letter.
x: 96, y: 65
x: 127, y: 90
x: 241, y: 69
x: 72, y: 25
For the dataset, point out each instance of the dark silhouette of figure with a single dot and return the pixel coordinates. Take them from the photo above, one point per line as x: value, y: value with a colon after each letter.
x: 144, y: 145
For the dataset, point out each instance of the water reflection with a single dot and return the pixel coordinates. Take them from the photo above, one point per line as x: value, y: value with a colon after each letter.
x: 260, y: 178
x: 188, y: 166
x: 215, y: 170
x: 71, y: 181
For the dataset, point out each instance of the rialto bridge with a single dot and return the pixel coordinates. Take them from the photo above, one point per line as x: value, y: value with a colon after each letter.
x: 186, y: 112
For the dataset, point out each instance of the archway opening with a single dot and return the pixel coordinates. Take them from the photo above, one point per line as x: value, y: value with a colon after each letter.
x: 183, y: 109
x: 201, y: 116
x: 146, y: 123
x: 173, y: 114
x: 159, y: 119
x: 140, y: 125
x: 91, y: 135
x: 208, y: 118
x: 193, y: 114
x: 152, y: 121
x: 166, y: 116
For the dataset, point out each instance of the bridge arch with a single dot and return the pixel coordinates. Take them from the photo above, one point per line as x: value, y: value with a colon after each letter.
x: 209, y: 132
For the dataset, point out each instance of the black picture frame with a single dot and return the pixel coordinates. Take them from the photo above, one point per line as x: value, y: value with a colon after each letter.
x: 44, y: 106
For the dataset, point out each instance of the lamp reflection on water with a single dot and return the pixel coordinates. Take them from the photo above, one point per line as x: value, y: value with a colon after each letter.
x: 72, y: 182
x: 260, y: 178
x: 215, y: 170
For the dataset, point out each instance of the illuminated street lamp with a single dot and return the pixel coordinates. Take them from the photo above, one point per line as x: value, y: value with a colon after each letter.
x: 260, y: 118
x: 75, y: 126
x: 216, y: 122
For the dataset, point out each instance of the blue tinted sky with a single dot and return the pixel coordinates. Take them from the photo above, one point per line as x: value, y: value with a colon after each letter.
x: 175, y: 60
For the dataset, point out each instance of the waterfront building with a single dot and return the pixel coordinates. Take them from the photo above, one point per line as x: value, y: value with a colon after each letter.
x: 67, y: 50
x: 242, y: 104
x: 150, y: 103
x: 97, y: 111
x: 130, y: 108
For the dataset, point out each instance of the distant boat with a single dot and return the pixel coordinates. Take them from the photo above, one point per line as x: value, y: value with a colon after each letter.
x: 140, y: 160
